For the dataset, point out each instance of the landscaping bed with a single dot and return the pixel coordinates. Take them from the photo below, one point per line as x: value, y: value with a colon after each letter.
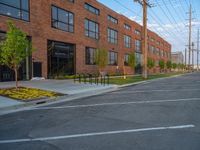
x: 27, y: 94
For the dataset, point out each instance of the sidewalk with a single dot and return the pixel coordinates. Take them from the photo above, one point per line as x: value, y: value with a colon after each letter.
x: 68, y: 87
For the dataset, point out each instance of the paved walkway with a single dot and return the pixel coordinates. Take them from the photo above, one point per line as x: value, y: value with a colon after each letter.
x: 61, y: 86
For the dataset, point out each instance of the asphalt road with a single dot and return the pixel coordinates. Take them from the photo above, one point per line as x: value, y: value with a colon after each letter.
x: 159, y: 115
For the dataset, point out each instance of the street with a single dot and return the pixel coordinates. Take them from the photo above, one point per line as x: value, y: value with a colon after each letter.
x: 157, y: 115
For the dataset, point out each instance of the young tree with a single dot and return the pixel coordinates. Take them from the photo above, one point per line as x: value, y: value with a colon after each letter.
x: 169, y: 64
x: 101, y: 59
x: 150, y: 63
x: 131, y: 62
x: 14, y: 49
x: 161, y: 64
x: 174, y: 65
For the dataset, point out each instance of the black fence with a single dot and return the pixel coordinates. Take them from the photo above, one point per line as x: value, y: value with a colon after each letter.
x: 92, y: 79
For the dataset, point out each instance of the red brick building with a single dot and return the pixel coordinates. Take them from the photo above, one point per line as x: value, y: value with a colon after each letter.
x: 66, y: 34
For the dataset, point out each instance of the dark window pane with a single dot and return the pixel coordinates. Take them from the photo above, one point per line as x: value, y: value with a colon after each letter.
x: 71, y: 18
x: 62, y: 26
x: 9, y: 11
x: 55, y: 23
x: 54, y: 13
x: 62, y: 19
x: 91, y: 29
x: 25, y: 15
x: 90, y: 54
x: 62, y: 16
x: 14, y: 3
x: 92, y: 9
x: 13, y: 9
x: 25, y: 4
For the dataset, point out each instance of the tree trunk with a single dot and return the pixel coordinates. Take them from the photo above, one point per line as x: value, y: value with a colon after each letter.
x: 16, y: 75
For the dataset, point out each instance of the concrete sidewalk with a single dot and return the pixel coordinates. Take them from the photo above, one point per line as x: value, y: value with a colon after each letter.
x: 73, y: 91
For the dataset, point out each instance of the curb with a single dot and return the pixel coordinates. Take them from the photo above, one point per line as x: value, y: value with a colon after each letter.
x: 66, y: 98
x: 50, y: 101
x: 148, y: 81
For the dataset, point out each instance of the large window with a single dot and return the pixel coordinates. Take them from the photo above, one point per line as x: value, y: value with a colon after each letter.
x: 127, y: 41
x: 18, y: 9
x: 60, y: 58
x: 72, y: 1
x: 138, y: 63
x: 92, y: 9
x: 126, y: 59
x: 90, y: 54
x: 91, y: 29
x: 162, y: 53
x: 62, y: 19
x: 112, y: 19
x: 137, y: 32
x: 112, y: 36
x: 151, y: 50
x: 157, y: 51
x: 138, y: 46
x: 112, y: 58
x: 126, y: 26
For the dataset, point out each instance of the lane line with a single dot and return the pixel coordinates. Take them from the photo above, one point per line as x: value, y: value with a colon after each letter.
x: 118, y: 103
x: 94, y: 134
x: 147, y: 91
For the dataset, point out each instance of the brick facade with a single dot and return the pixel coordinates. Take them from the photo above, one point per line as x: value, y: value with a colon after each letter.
x: 40, y: 30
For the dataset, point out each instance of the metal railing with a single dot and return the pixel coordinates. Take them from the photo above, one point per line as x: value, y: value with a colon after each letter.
x: 92, y: 79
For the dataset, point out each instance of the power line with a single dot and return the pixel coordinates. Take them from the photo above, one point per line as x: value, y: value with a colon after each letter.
x: 176, y: 11
x: 169, y: 17
x: 166, y: 33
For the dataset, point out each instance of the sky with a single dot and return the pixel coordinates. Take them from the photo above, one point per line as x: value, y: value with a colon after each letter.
x: 168, y: 18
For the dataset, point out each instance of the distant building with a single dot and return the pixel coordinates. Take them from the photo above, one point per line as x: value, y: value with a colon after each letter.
x: 177, y: 57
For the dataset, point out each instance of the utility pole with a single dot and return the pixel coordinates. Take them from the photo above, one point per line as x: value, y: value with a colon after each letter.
x: 193, y: 55
x: 198, y: 50
x: 190, y: 31
x: 185, y: 57
x: 144, y: 3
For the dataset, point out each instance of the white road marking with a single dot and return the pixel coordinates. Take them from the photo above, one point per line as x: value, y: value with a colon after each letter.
x: 147, y: 91
x: 117, y: 103
x: 94, y: 134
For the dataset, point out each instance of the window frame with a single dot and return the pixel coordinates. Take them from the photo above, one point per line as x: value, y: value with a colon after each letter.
x: 110, y: 38
x: 112, y: 19
x: 137, y: 32
x: 87, y: 6
x: 90, y: 31
x: 138, y: 48
x: 127, y: 27
x: 126, y: 59
x: 67, y: 24
x: 110, y: 59
x: 20, y: 9
x: 127, y: 44
x: 88, y: 57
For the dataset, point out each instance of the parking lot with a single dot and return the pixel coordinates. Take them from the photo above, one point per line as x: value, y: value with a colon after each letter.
x: 157, y: 115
